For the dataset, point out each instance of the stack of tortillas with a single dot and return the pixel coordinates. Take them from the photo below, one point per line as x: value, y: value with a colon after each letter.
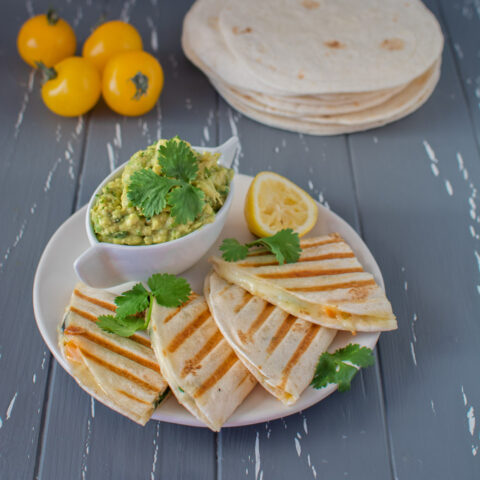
x: 322, y: 67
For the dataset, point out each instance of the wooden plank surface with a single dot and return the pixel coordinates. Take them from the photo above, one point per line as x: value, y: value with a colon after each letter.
x: 409, y: 188
x: 416, y: 187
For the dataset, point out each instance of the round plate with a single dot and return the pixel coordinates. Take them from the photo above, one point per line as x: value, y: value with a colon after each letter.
x: 55, y: 279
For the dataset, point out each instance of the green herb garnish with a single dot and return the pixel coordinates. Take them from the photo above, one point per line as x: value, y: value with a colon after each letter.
x: 340, y: 367
x: 285, y: 245
x: 168, y: 290
x: 152, y: 193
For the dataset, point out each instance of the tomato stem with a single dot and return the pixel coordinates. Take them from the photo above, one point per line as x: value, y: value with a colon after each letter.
x: 48, y: 73
x: 141, y: 84
x: 52, y: 16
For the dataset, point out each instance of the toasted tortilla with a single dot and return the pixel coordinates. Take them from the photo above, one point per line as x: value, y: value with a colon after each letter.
x: 280, y: 350
x: 327, y: 286
x: 201, y: 368
x: 122, y: 373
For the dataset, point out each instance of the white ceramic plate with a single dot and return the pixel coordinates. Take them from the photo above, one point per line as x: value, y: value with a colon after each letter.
x: 55, y: 280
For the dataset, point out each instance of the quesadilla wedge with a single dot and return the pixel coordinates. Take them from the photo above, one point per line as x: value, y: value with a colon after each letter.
x: 280, y: 350
x: 327, y: 285
x: 197, y: 362
x: 122, y: 373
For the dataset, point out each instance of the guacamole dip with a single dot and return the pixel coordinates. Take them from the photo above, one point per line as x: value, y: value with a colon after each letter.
x: 116, y: 220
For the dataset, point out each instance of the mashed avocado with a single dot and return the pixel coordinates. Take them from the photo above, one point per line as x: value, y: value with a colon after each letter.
x: 116, y: 220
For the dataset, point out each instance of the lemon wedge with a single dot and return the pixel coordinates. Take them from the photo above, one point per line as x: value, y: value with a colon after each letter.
x: 274, y: 202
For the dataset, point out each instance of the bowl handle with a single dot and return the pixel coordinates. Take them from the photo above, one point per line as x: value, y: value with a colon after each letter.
x: 98, y: 268
x: 229, y: 151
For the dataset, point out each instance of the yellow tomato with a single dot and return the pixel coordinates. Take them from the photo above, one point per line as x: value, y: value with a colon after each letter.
x: 47, y: 39
x: 110, y: 39
x: 132, y: 83
x: 72, y: 88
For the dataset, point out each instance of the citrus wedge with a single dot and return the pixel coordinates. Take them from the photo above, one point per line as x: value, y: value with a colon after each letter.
x: 274, y: 202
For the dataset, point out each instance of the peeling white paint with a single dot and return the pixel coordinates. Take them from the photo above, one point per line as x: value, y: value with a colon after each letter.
x: 10, y: 406
x: 298, y: 446
x: 117, y: 141
x: 448, y: 187
x: 111, y: 156
x: 471, y: 420
x: 153, y: 35
x: 232, y: 120
x: 459, y: 51
x: 257, y: 456
x: 155, y: 451
x: 412, y: 350
x: 305, y: 426
x: 432, y: 405
x: 23, y: 106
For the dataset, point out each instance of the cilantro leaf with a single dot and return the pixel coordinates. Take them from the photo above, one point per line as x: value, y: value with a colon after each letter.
x: 178, y: 160
x: 233, y: 250
x: 132, y: 301
x: 285, y: 245
x: 332, y: 367
x: 122, y: 326
x: 169, y: 290
x: 148, y: 191
x: 187, y: 202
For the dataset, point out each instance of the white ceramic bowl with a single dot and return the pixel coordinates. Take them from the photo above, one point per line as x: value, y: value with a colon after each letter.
x: 104, y: 264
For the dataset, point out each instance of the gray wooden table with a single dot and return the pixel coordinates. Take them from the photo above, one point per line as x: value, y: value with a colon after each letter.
x: 409, y: 188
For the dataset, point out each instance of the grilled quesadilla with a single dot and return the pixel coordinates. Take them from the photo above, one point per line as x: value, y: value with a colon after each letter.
x: 279, y: 349
x: 202, y: 370
x: 122, y: 373
x: 327, y: 285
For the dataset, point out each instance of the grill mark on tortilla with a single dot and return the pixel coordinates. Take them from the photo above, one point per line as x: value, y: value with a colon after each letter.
x: 310, y: 273
x: 133, y: 397
x: 95, y: 301
x: 217, y: 375
x: 177, y: 310
x: 257, y: 323
x: 321, y: 288
x: 327, y: 256
x: 223, y: 290
x: 192, y: 364
x: 119, y: 371
x: 300, y: 350
x: 246, y: 298
x: 333, y: 239
x: 88, y: 316
x: 246, y: 376
x: 281, y: 333
x: 103, y: 342
x: 189, y: 330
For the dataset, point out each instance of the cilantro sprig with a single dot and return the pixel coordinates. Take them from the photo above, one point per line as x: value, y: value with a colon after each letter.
x: 340, y: 367
x: 168, y: 290
x: 285, y: 245
x: 152, y: 193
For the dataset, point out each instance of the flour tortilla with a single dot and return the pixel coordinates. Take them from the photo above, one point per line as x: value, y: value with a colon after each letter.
x: 308, y: 105
x: 280, y: 350
x: 200, y: 367
x: 330, y: 46
x: 306, y: 125
x: 397, y: 104
x: 122, y: 373
x: 204, y: 47
x: 327, y: 286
